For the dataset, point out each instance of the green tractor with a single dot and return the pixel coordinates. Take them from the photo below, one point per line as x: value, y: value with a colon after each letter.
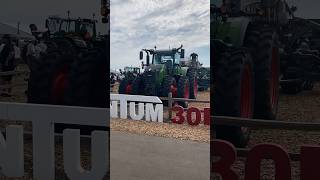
x: 74, y: 55
x: 129, y: 75
x: 203, y: 78
x: 73, y: 70
x: 245, y: 52
x: 165, y: 74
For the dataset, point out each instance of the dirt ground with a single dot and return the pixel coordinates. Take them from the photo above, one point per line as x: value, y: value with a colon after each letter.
x: 199, y: 133
x: 303, y: 107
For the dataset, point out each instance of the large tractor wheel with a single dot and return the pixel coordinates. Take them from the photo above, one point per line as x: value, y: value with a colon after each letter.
x: 125, y: 86
x: 169, y: 86
x: 87, y: 79
x: 150, y: 88
x: 267, y: 71
x: 183, y: 90
x: 46, y: 74
x: 193, y: 84
x: 87, y: 87
x: 137, y: 86
x: 234, y: 94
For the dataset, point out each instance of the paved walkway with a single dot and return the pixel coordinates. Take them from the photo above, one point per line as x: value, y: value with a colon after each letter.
x: 135, y: 157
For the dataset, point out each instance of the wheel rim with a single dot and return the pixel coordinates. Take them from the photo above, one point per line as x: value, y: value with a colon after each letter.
x: 274, y: 78
x: 186, y: 91
x: 60, y: 83
x: 246, y: 93
x: 129, y: 89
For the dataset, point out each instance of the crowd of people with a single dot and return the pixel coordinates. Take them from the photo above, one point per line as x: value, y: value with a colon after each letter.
x: 14, y: 51
x: 10, y: 54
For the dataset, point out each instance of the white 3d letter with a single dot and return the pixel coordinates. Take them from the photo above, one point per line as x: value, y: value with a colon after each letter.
x: 114, y: 109
x: 154, y: 114
x: 11, y: 152
x: 133, y: 114
x: 99, y: 153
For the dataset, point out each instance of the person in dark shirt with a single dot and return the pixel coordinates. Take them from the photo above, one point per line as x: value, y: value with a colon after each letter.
x: 7, y: 56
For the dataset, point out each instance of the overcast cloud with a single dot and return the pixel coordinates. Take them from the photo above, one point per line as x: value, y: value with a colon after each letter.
x: 36, y: 11
x: 137, y: 24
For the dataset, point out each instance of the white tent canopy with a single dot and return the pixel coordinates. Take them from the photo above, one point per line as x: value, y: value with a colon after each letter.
x: 13, y: 31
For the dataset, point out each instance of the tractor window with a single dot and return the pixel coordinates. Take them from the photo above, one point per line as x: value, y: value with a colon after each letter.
x: 53, y: 25
x: 68, y: 26
x: 64, y: 26
x: 160, y: 59
x: 72, y: 27
x: 177, y: 58
x: 87, y: 28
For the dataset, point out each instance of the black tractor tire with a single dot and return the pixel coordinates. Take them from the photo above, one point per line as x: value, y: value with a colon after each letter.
x: 167, y: 83
x: 41, y: 78
x: 87, y: 87
x: 138, y: 86
x: 233, y: 72
x: 193, y: 84
x: 87, y: 79
x: 267, y: 72
x: 150, y: 88
x: 166, y: 87
x: 123, y: 86
x: 183, y: 86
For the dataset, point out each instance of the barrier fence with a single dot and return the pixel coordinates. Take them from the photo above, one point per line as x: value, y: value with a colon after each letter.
x: 14, y: 73
x: 172, y: 100
x: 43, y: 118
x: 265, y: 124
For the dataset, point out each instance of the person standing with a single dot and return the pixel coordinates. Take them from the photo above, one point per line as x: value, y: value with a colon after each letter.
x: 7, y: 57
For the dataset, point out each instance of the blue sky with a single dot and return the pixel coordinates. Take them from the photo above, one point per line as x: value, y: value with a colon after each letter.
x: 138, y: 24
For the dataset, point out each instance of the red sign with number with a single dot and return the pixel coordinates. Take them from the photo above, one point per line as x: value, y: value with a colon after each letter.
x: 309, y: 159
x: 182, y: 116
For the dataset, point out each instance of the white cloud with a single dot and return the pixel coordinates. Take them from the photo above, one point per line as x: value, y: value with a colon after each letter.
x: 137, y: 24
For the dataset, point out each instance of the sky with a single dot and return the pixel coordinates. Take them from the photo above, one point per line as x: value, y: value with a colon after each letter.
x: 307, y: 8
x: 138, y: 24
x: 36, y: 11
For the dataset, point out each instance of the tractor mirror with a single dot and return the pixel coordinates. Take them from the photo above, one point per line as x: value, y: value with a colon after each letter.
x: 182, y: 53
x: 47, y: 24
x: 148, y: 60
x: 141, y: 55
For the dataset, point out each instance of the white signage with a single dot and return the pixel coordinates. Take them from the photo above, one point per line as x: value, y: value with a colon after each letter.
x: 149, y: 108
x: 43, y: 118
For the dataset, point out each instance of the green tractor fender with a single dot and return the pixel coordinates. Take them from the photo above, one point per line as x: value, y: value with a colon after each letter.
x: 181, y: 71
x: 162, y: 74
x: 232, y: 31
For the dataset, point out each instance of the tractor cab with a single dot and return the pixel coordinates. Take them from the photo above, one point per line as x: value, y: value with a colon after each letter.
x: 168, y: 59
x: 83, y: 28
